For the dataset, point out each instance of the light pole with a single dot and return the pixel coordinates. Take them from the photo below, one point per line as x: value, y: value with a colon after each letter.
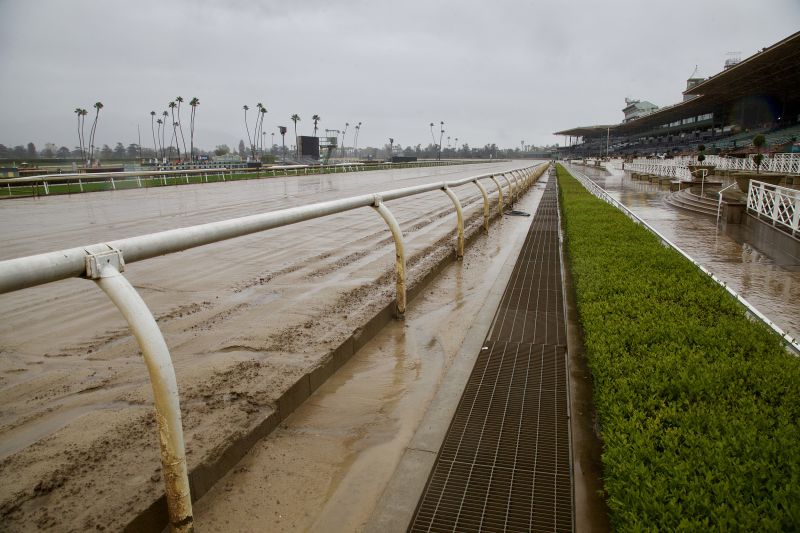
x: 282, y: 129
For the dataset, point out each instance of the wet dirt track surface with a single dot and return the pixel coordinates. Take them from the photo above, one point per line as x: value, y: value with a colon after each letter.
x: 327, y: 465
x: 243, y: 318
x: 767, y: 279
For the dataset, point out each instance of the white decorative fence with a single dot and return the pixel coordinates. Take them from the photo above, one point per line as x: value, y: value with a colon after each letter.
x: 778, y: 205
x: 659, y: 167
x: 783, y: 163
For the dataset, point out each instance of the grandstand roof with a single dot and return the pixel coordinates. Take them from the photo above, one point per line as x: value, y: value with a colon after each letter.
x: 775, y: 70
x: 586, y: 131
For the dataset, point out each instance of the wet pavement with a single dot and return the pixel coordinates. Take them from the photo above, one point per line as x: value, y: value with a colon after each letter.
x: 767, y: 279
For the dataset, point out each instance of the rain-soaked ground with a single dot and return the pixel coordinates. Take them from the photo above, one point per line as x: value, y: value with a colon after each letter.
x: 244, y: 319
x: 767, y: 279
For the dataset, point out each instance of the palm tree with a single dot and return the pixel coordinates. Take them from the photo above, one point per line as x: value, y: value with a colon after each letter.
x: 261, y: 127
x: 83, y: 131
x: 97, y: 106
x: 175, y: 139
x: 183, y: 139
x: 355, y: 141
x: 316, y: 119
x: 441, y: 132
x: 194, y: 102
x: 346, y: 124
x: 160, y: 152
x: 247, y: 129
x: 165, y: 114
x: 81, y: 114
x: 257, y: 127
x: 432, y: 136
x: 296, y: 118
x: 172, y: 106
x: 152, y: 129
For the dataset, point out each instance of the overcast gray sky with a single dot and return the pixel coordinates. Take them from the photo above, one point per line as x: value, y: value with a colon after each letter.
x: 494, y: 71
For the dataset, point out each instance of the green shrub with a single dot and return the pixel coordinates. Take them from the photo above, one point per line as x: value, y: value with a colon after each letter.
x: 699, y: 406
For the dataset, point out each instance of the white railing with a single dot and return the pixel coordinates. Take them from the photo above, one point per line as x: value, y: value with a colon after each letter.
x: 792, y: 343
x: 778, y: 205
x: 659, y: 168
x: 104, y: 263
x: 68, y: 183
x: 783, y: 163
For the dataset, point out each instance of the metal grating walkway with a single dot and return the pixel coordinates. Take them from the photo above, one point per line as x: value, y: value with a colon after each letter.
x: 504, y: 464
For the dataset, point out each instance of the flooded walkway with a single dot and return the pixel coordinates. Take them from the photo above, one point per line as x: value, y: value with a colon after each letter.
x: 769, y: 282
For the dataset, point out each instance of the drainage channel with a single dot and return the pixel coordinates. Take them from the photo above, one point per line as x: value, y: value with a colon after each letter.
x: 504, y: 464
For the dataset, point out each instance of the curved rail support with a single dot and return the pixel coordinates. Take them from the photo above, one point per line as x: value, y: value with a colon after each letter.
x: 523, y: 174
x: 399, y: 255
x: 517, y: 182
x: 485, y: 205
x: 104, y: 268
x: 510, y: 190
x: 460, y: 220
x: 499, y: 195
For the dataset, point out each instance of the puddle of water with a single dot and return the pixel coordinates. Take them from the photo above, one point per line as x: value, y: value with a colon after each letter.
x: 768, y: 280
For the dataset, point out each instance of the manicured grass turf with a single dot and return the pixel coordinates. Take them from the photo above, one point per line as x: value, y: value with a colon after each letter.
x: 699, y: 407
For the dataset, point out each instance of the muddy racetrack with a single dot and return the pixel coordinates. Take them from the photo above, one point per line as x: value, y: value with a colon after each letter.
x: 243, y: 320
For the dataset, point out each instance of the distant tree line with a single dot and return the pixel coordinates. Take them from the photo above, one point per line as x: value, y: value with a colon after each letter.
x: 134, y: 151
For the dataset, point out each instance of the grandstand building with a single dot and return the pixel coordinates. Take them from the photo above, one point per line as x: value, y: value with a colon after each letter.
x: 637, y: 109
x: 760, y: 94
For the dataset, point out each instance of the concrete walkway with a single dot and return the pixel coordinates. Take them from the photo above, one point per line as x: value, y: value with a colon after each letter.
x: 504, y: 463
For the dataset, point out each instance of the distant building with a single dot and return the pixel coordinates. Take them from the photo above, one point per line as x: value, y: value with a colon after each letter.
x: 636, y: 109
x: 691, y: 83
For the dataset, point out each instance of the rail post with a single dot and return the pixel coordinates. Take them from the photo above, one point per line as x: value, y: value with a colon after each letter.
x: 105, y: 267
x: 499, y: 194
x: 517, y: 182
x: 485, y: 204
x: 459, y: 220
x: 399, y: 255
x: 510, y: 190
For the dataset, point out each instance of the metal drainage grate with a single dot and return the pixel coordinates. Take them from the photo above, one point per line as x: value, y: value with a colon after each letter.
x: 505, y: 461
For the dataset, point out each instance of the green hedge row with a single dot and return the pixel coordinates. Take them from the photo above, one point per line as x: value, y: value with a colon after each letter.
x: 699, y: 407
